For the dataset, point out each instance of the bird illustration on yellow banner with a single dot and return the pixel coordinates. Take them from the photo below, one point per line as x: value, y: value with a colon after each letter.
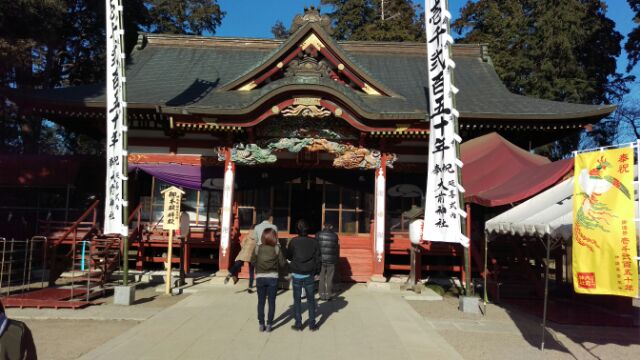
x: 593, y: 213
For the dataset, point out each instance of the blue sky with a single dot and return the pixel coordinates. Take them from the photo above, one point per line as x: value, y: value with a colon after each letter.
x: 254, y: 18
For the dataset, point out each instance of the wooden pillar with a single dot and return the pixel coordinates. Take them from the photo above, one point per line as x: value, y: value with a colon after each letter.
x: 466, y: 260
x: 225, y: 222
x: 379, y: 223
x: 418, y: 263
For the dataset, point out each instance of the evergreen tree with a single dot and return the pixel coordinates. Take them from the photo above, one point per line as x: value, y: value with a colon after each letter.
x: 56, y: 43
x: 279, y: 31
x: 632, y: 46
x: 559, y: 50
x: 184, y: 16
x: 379, y: 20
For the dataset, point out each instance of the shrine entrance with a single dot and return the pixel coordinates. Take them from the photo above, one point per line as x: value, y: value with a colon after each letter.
x: 307, y: 203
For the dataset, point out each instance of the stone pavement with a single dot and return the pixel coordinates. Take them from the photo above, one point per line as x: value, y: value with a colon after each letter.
x: 219, y: 322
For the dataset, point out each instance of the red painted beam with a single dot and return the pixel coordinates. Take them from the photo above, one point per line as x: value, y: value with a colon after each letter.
x: 275, y: 69
x: 327, y: 54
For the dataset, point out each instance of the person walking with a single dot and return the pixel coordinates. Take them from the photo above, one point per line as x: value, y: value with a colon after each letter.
x: 304, y: 254
x: 267, y: 259
x: 330, y: 253
x: 247, y: 248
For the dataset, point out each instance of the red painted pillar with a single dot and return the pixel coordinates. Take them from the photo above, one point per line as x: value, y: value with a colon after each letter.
x: 379, y: 233
x: 224, y: 250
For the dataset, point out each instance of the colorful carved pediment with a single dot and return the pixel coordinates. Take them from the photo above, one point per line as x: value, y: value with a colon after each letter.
x: 309, y: 54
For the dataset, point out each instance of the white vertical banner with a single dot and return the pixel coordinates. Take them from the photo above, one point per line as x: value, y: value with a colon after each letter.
x: 116, y: 121
x: 227, y: 196
x: 381, y: 186
x: 443, y: 210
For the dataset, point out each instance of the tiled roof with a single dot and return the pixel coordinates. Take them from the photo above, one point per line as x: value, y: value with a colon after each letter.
x: 185, y: 74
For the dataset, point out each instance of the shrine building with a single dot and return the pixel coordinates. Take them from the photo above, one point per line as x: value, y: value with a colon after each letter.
x: 308, y: 127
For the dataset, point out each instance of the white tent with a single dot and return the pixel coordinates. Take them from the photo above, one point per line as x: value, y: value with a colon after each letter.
x: 549, y: 213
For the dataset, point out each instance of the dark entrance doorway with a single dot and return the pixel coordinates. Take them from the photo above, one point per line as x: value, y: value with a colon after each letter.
x: 306, y: 203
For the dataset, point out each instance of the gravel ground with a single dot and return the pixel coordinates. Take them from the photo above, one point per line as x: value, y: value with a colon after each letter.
x: 58, y: 339
x: 509, y: 334
x: 67, y: 334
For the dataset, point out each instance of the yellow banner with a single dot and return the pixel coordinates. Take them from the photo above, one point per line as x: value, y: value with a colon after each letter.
x: 604, y: 230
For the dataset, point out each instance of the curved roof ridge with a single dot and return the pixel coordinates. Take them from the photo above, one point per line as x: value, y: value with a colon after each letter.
x: 291, y: 42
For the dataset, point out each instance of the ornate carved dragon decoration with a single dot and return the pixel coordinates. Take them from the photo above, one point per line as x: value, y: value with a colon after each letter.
x: 347, y: 156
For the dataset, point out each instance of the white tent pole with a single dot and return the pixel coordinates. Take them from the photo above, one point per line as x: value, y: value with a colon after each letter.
x: 486, y: 247
x: 546, y: 293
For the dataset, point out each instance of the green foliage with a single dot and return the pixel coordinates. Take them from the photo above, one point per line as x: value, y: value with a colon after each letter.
x: 184, y: 16
x: 56, y: 43
x: 632, y: 46
x: 279, y: 31
x: 402, y: 20
x: 558, y: 50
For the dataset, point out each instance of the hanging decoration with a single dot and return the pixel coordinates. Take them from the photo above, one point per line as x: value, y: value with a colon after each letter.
x: 443, y: 208
x: 604, y: 231
x: 116, y: 122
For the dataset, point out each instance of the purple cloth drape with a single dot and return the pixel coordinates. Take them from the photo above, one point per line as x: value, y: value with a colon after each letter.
x: 187, y: 176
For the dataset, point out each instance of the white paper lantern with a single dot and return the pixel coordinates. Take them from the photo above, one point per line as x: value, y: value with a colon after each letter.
x: 415, y: 231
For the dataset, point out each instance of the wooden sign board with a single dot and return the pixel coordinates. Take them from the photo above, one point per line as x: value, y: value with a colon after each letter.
x: 172, y: 198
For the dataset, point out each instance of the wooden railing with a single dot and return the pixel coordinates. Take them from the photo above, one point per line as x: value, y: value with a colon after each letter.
x: 136, y: 214
x: 91, y: 210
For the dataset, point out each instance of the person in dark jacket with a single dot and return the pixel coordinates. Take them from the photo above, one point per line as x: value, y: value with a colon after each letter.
x: 267, y: 259
x: 304, y: 254
x: 330, y: 253
x: 16, y: 341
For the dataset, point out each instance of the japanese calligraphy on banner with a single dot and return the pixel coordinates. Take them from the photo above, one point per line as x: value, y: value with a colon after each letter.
x: 442, y: 218
x: 604, y: 231
x: 116, y: 122
x: 171, y: 214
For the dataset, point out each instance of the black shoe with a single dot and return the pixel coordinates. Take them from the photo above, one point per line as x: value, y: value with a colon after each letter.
x: 250, y: 291
x: 261, y: 328
x: 296, y: 327
x: 226, y: 279
x: 268, y: 328
x: 313, y: 327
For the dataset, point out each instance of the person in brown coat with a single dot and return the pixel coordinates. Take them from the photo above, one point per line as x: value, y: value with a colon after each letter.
x: 247, y: 247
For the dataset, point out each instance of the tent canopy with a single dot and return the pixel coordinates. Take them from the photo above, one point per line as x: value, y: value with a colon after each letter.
x: 549, y: 213
x: 497, y: 172
x: 188, y: 171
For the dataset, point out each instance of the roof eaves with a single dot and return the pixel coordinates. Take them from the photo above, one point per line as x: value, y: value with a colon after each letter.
x: 596, y: 111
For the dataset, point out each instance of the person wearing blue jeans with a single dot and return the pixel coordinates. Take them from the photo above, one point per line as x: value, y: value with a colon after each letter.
x: 307, y: 283
x: 304, y: 254
x: 268, y: 260
x: 267, y: 288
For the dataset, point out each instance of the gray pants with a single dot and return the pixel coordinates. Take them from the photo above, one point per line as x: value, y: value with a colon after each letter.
x: 326, y: 281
